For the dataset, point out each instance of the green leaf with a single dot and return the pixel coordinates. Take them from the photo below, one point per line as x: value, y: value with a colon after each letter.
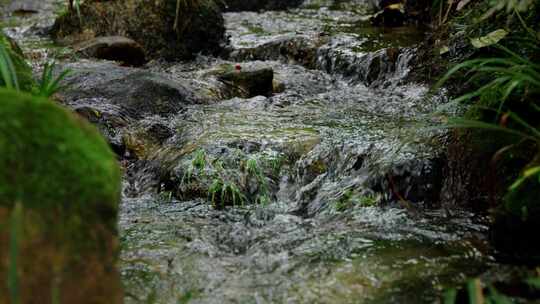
x: 474, y: 288
x: 534, y: 282
x: 489, y: 39
x: 526, y: 175
x: 450, y: 296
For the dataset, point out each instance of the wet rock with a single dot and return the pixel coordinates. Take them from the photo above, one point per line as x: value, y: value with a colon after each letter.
x: 246, y: 82
x: 392, y: 13
x: 137, y: 92
x: 146, y: 137
x: 290, y: 49
x: 115, y: 48
x: 118, y: 99
x: 278, y: 86
x: 60, y: 189
x: 416, y: 181
x: 256, y: 5
x: 155, y: 26
x: 22, y: 69
x: 385, y: 67
x: 476, y: 175
x: 25, y: 6
x: 109, y: 119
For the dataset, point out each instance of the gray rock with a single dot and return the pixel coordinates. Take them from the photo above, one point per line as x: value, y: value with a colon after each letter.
x: 119, y: 99
x: 137, y: 92
x: 26, y: 6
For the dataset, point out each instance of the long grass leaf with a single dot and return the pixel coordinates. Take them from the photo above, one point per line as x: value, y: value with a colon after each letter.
x: 14, y: 246
x: 461, y: 123
x: 7, y: 69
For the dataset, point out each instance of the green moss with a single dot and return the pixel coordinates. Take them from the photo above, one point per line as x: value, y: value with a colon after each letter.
x: 56, y: 164
x: 23, y: 70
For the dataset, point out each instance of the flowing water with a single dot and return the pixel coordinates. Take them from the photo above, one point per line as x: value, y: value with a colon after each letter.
x: 346, y: 171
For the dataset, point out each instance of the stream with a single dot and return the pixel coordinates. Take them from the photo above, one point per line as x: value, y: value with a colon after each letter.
x: 335, y: 178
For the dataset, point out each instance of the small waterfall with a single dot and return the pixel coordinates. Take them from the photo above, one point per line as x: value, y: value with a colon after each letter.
x: 381, y: 68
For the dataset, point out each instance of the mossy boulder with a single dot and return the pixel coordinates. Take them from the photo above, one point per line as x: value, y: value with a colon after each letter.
x: 156, y: 26
x: 59, y: 170
x: 22, y: 69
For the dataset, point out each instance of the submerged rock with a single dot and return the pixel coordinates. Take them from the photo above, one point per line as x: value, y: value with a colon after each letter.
x: 59, y: 192
x: 115, y: 48
x: 162, y: 28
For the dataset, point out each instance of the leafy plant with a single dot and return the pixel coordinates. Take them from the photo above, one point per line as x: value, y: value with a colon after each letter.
x: 7, y: 71
x: 253, y: 169
x: 509, y: 6
x: 351, y: 198
x: 76, y: 4
x: 198, y: 163
x: 509, y: 76
x: 48, y: 84
x: 222, y: 190
x: 476, y: 294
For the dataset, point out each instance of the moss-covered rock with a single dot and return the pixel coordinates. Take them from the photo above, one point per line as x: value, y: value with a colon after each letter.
x: 62, y: 173
x: 23, y: 70
x: 156, y: 26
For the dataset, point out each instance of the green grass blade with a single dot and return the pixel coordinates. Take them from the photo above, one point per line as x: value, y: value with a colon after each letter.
x: 14, y: 246
x: 7, y: 69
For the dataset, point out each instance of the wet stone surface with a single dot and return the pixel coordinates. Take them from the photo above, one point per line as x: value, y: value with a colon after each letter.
x: 315, y: 192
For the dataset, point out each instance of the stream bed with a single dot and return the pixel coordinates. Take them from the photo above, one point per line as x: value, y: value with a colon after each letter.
x: 338, y: 173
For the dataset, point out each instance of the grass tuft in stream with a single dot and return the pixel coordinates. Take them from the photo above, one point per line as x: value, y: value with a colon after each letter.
x: 49, y: 84
x: 235, y: 179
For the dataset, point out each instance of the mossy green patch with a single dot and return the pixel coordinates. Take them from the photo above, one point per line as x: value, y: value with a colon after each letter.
x: 54, y: 160
x: 63, y: 174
